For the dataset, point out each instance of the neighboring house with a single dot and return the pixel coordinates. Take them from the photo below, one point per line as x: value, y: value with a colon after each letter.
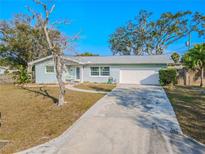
x: 122, y: 69
x: 2, y: 70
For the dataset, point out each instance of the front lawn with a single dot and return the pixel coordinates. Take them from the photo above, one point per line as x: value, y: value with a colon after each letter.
x: 96, y: 86
x: 189, y: 106
x: 30, y: 116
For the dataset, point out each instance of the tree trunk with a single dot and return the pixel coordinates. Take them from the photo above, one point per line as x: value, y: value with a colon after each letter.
x: 57, y: 57
x: 59, y: 71
x: 202, y: 76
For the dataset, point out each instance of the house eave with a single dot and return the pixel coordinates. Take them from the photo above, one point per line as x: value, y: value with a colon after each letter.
x: 83, y: 62
x: 50, y: 57
x: 126, y: 63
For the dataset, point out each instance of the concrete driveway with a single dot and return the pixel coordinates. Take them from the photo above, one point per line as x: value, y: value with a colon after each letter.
x: 130, y: 120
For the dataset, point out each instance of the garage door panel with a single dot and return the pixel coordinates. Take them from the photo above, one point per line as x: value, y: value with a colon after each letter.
x: 139, y: 76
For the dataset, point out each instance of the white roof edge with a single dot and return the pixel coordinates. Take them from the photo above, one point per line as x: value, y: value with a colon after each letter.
x: 49, y: 57
x: 68, y: 58
x: 81, y: 62
x: 39, y: 60
x: 4, y: 67
x: 130, y: 63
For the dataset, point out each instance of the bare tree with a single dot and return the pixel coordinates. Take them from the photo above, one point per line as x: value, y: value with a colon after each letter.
x: 56, y: 47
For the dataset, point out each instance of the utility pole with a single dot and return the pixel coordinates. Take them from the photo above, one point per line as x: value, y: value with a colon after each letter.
x: 188, y: 43
x: 189, y: 40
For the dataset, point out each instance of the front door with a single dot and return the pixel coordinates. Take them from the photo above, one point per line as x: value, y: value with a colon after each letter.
x: 70, y: 73
x: 78, y: 73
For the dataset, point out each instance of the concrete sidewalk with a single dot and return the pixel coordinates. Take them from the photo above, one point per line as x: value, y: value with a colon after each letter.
x: 71, y: 87
x: 129, y: 120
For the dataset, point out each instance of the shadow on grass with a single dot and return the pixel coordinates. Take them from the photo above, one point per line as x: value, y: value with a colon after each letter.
x: 42, y: 92
x: 100, y: 88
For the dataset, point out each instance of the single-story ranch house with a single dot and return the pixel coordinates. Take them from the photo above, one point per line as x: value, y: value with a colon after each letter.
x: 121, y: 69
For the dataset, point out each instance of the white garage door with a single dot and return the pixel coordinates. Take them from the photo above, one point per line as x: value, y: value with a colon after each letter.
x: 139, y: 76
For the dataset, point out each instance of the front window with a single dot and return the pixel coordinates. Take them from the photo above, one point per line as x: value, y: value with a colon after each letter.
x: 104, y: 71
x: 95, y: 71
x: 100, y: 71
x: 49, y: 69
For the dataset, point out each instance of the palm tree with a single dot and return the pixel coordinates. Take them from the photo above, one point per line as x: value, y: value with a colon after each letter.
x: 195, y: 59
x: 175, y: 57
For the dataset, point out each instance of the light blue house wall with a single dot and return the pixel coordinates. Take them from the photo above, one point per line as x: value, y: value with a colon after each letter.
x: 40, y: 73
x: 42, y: 77
x: 114, y: 71
x: 88, y: 78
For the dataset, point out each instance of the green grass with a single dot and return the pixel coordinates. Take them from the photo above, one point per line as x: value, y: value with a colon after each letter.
x: 189, y: 106
x: 30, y: 116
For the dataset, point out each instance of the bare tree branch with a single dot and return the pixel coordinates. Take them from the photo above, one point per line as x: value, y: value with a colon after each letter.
x: 52, y: 8
x: 56, y: 47
x: 65, y: 22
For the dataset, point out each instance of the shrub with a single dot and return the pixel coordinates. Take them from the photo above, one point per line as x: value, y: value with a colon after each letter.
x: 21, y: 75
x: 6, y: 71
x: 167, y: 76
